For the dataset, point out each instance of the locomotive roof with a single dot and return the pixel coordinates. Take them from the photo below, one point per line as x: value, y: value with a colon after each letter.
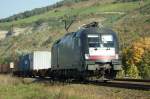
x: 98, y: 30
x: 91, y: 28
x: 94, y: 27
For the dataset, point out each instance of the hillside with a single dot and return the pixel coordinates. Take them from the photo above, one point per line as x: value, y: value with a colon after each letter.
x: 38, y: 11
x: 131, y: 20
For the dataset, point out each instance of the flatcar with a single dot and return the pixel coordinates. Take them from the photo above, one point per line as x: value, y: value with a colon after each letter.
x: 92, y: 51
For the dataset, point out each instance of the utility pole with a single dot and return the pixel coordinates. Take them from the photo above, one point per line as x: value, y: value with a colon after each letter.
x: 14, y: 60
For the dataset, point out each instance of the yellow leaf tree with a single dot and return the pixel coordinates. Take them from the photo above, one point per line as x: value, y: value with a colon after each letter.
x: 134, y: 55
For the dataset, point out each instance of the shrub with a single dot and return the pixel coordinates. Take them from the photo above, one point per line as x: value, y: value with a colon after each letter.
x: 133, y: 71
x: 145, y: 65
x: 121, y: 74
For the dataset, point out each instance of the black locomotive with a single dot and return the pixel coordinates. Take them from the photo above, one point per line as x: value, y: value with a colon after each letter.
x: 90, y: 52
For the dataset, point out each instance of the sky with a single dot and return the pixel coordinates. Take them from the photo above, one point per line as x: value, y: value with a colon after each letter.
x: 11, y: 7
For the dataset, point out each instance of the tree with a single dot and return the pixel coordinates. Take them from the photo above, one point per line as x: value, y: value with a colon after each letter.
x: 145, y: 65
x: 136, y: 59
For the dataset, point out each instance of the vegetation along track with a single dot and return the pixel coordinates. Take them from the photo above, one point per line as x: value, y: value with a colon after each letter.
x: 114, y: 83
x: 124, y: 84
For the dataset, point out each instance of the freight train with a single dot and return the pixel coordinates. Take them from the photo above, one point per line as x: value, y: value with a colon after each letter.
x: 90, y: 52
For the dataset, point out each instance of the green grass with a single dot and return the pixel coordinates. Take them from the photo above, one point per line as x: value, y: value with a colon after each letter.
x: 22, y: 91
x: 31, y: 20
x: 18, y: 88
x: 118, y: 7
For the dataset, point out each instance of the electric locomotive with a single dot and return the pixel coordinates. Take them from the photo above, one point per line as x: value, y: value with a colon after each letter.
x: 92, y: 51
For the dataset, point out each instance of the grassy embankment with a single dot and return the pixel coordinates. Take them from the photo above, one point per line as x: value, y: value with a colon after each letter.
x: 18, y: 88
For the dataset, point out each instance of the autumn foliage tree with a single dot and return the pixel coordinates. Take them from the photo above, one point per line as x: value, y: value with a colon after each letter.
x: 136, y: 58
x: 145, y: 65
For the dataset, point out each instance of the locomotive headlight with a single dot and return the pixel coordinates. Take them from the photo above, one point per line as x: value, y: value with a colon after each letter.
x: 117, y: 56
x: 86, y: 56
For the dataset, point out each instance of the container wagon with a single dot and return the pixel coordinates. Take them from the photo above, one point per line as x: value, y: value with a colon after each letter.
x: 34, y: 64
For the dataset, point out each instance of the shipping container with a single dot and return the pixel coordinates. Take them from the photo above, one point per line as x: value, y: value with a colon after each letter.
x: 38, y: 60
x: 24, y: 64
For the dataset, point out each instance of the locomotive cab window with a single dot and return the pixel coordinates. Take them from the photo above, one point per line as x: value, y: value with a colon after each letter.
x: 94, y: 40
x: 107, y: 40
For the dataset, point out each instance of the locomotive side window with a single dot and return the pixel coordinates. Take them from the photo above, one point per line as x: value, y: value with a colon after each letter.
x: 107, y: 41
x: 94, y: 40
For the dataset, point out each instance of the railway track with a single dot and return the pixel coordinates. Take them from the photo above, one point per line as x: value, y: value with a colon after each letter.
x: 141, y: 85
x: 133, y: 80
x: 118, y: 83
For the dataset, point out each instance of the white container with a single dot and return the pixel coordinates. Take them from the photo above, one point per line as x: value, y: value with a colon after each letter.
x: 40, y: 60
x: 11, y: 65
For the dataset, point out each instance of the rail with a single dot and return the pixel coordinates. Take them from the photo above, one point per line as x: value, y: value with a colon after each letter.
x: 133, y: 80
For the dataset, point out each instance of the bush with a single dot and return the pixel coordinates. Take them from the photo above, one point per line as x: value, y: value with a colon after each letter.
x: 145, y: 65
x: 38, y: 22
x: 121, y: 74
x: 146, y: 72
x: 133, y: 72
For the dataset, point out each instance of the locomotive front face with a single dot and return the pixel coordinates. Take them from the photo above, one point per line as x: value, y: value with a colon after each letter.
x: 101, y: 48
x: 101, y: 51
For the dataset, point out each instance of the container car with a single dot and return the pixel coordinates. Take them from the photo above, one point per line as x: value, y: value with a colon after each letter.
x: 91, y: 51
x: 37, y: 63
